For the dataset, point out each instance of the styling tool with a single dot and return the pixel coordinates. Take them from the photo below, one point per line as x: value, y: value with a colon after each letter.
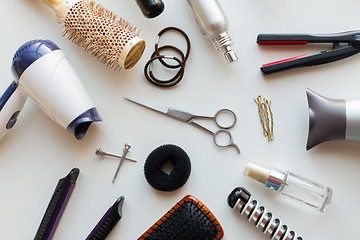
x: 331, y: 119
x: 57, y: 206
x: 43, y: 73
x: 189, y: 219
x: 290, y: 185
x: 151, y: 8
x: 351, y: 39
x: 108, y: 221
x: 214, y: 25
x: 240, y: 199
x: 148, y: 69
x: 156, y: 161
x: 99, y: 31
x: 191, y: 119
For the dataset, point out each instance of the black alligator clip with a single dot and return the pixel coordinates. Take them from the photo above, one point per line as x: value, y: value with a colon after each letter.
x: 108, y: 221
x: 57, y: 205
x: 350, y: 38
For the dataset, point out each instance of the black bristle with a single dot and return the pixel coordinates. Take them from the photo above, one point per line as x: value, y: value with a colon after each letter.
x: 189, y: 222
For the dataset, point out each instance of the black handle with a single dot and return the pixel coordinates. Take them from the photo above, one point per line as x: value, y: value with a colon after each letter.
x: 317, y: 59
x: 56, y: 206
x: 151, y: 8
x: 285, y: 39
x: 108, y: 221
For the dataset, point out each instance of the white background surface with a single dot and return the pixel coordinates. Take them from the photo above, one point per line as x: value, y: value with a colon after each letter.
x: 37, y: 153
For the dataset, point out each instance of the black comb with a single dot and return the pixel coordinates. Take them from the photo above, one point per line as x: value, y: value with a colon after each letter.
x: 189, y: 219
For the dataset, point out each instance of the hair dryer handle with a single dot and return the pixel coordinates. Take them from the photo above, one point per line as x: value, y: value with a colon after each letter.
x: 11, y: 103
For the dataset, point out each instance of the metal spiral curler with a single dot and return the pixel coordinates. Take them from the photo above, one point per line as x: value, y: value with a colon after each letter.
x: 240, y: 198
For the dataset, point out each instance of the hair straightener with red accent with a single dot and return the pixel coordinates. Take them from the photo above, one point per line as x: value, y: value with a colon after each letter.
x: 350, y: 38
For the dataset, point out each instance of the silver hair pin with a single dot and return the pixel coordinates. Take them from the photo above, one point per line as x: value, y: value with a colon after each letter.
x: 101, y: 152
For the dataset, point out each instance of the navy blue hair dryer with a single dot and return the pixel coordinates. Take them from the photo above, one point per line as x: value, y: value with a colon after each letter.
x: 43, y: 73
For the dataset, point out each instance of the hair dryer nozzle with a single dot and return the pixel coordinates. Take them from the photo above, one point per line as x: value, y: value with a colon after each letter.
x: 81, y: 124
x: 327, y: 119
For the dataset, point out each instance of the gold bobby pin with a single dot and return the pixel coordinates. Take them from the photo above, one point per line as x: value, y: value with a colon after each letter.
x: 264, y: 110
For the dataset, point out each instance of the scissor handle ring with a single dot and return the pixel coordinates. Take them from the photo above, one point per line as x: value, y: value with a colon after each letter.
x: 230, y: 143
x: 225, y: 110
x: 227, y: 133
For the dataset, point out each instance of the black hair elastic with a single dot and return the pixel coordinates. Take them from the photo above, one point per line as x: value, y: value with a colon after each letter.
x: 158, y: 158
x: 157, y: 49
x: 157, y: 53
x: 156, y: 56
x: 163, y: 83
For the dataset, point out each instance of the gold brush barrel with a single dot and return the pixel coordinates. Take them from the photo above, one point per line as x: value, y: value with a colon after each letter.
x: 112, y: 40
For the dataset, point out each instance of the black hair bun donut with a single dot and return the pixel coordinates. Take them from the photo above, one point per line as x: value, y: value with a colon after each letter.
x: 158, y: 158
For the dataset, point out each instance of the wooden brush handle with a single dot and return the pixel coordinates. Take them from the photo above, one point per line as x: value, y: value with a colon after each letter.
x: 61, y: 7
x: 53, y: 3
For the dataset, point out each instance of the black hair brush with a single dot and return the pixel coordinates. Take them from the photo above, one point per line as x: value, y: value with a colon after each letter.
x: 189, y: 219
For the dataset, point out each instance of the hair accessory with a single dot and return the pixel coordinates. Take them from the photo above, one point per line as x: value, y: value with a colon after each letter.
x: 151, y: 8
x: 148, y: 69
x: 174, y: 80
x: 239, y: 198
x: 57, y: 205
x: 189, y: 219
x: 291, y: 185
x: 98, y: 30
x: 178, y: 176
x: 171, y: 48
x: 108, y: 221
x: 43, y: 73
x: 264, y: 110
x: 351, y: 38
x: 213, y: 24
x: 331, y: 119
x: 163, y: 83
x: 102, y: 153
x: 125, y: 151
x: 157, y: 49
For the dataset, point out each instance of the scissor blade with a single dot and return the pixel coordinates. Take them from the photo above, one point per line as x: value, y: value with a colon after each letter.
x: 169, y: 111
x: 159, y: 108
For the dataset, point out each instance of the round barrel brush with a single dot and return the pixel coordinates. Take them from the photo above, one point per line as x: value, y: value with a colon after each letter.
x: 99, y: 31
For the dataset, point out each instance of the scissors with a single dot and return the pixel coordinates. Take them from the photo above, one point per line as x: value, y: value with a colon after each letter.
x: 191, y: 119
